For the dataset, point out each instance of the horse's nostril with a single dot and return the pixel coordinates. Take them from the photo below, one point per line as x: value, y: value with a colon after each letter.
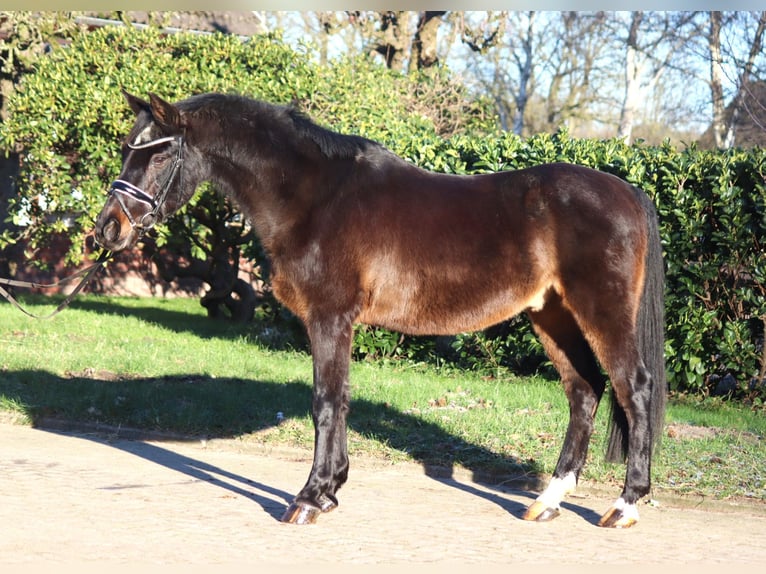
x: 111, y: 231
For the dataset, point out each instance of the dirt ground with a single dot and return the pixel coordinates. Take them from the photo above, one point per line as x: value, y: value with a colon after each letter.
x: 89, y: 498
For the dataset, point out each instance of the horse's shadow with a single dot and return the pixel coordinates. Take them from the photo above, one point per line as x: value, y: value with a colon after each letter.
x: 436, y: 450
x: 499, y: 496
x: 501, y: 487
x: 262, y: 494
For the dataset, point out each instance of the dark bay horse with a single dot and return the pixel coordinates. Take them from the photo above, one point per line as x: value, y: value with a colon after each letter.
x: 356, y: 234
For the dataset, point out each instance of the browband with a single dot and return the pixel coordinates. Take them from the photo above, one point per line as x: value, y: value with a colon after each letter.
x: 152, y: 143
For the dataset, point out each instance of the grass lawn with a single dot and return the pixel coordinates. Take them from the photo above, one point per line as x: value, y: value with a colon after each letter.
x: 160, y: 364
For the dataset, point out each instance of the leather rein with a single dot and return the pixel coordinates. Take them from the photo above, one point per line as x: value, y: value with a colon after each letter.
x: 86, y: 274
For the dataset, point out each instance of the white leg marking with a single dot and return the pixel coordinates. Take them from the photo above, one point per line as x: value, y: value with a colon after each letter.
x: 557, y: 490
x: 629, y: 511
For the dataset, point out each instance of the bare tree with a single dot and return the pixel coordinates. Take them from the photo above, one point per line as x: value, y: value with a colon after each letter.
x: 321, y: 26
x: 578, y: 64
x: 716, y: 77
x: 505, y: 43
x: 405, y: 40
x: 544, y: 69
x: 652, y: 41
x: 424, y: 53
x: 524, y: 63
x: 744, y: 81
x: 391, y: 38
x: 632, y: 76
x: 729, y: 34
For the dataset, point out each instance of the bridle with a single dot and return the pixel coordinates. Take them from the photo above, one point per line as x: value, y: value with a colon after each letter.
x: 121, y: 188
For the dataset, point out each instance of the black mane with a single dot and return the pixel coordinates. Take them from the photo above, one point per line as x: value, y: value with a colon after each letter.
x: 234, y: 111
x: 332, y: 144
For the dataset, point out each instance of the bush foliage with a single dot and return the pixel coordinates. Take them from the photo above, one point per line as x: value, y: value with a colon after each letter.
x: 68, y: 117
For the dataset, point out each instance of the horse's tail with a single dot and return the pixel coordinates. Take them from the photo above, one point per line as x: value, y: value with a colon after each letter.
x: 651, y: 341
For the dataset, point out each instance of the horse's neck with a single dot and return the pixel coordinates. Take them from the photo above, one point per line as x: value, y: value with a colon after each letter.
x: 273, y: 195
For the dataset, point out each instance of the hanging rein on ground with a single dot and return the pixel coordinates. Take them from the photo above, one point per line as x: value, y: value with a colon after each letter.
x: 356, y: 234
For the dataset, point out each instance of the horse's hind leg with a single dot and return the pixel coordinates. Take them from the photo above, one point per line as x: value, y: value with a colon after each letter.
x: 331, y: 350
x: 612, y: 336
x: 584, y: 385
x: 631, y: 385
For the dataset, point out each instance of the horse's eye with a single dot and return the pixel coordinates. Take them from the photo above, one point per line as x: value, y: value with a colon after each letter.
x: 159, y: 159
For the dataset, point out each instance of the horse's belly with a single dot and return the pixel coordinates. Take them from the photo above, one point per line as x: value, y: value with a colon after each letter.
x: 446, y: 312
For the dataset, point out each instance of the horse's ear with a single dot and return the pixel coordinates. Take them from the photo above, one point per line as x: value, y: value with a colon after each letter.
x: 165, y: 113
x: 136, y: 104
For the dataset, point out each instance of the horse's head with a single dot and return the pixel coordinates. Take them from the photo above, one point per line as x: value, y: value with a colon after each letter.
x: 154, y: 182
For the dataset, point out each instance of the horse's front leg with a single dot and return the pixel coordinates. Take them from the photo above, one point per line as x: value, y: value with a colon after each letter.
x: 331, y: 350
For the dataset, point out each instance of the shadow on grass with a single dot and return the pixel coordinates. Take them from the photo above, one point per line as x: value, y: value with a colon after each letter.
x: 287, y: 331
x: 187, y: 408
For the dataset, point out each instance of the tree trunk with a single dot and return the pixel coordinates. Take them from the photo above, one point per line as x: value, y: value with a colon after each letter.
x: 525, y: 73
x: 424, y: 44
x: 632, y: 81
x: 744, y: 80
x: 393, y: 41
x: 716, y: 78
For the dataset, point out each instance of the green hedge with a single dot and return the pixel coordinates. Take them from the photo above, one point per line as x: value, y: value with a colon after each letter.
x: 68, y: 117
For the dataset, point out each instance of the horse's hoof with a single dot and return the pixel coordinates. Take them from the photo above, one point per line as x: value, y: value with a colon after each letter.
x: 305, y: 513
x: 301, y: 513
x: 328, y: 502
x: 618, y: 518
x: 540, y: 512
